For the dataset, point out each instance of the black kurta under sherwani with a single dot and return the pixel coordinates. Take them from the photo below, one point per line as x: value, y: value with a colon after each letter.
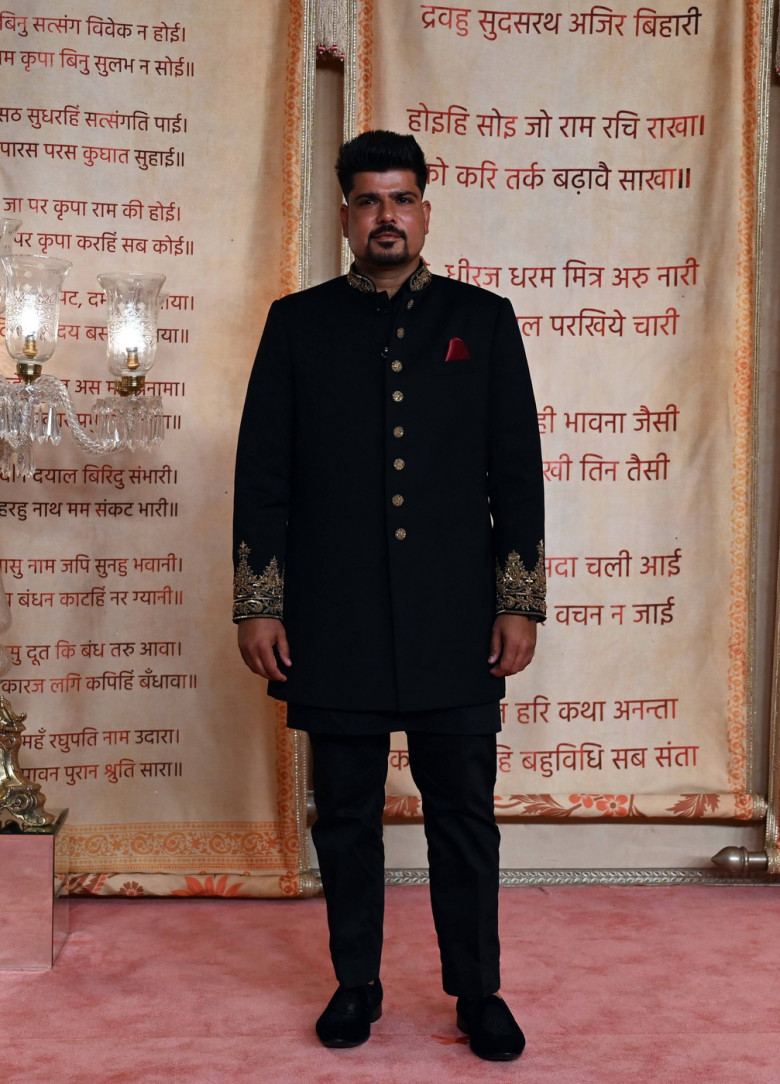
x: 389, y: 493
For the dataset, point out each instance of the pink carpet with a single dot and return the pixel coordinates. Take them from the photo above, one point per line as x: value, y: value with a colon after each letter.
x: 658, y: 985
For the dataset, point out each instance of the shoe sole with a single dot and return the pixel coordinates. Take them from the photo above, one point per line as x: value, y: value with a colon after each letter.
x: 496, y: 1057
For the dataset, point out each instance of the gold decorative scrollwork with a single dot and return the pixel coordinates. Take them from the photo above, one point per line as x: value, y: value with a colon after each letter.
x: 520, y: 591
x: 22, y: 799
x: 257, y: 595
x: 419, y: 280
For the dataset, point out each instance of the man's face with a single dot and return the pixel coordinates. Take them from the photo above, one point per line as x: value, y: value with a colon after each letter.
x: 385, y: 220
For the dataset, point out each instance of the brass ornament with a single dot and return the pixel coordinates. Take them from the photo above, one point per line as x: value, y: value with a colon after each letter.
x: 740, y: 862
x: 19, y: 797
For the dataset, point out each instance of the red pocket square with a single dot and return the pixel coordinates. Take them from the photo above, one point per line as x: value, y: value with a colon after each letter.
x: 457, y: 351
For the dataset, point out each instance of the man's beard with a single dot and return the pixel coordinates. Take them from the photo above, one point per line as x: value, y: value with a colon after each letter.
x: 388, y: 256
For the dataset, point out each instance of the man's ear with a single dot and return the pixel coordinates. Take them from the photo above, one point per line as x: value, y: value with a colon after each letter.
x: 344, y: 216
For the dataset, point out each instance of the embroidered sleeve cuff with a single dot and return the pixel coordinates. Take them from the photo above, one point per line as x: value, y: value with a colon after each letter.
x: 257, y: 595
x: 519, y: 591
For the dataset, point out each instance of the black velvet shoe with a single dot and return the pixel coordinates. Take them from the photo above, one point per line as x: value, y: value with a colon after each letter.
x: 492, y: 1030
x: 350, y: 1013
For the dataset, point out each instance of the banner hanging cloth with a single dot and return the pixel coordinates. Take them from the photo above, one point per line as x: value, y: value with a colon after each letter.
x: 597, y: 164
x: 133, y: 142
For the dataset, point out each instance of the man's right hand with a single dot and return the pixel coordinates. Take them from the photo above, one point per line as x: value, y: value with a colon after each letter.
x: 257, y: 638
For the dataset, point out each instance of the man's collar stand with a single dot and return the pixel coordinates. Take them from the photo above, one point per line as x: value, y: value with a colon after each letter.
x: 417, y: 281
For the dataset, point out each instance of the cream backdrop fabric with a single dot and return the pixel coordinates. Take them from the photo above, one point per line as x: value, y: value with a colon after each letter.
x: 597, y: 165
x: 164, y: 137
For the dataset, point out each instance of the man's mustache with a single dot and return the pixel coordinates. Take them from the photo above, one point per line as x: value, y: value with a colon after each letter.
x: 386, y: 229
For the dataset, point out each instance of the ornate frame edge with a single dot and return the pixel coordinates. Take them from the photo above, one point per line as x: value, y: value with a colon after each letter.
x: 306, y: 134
x: 308, y: 883
x: 773, y: 751
x: 761, y: 149
x: 527, y: 878
x: 350, y: 92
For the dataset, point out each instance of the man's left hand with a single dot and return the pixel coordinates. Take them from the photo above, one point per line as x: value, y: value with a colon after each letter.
x: 512, y: 644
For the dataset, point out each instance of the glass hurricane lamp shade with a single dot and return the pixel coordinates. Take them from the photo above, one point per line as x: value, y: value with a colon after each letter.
x: 133, y: 301
x: 8, y: 228
x: 33, y: 286
x: 130, y: 419
x: 29, y: 411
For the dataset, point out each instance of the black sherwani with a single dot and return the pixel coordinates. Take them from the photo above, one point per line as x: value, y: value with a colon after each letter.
x: 389, y: 492
x: 388, y: 505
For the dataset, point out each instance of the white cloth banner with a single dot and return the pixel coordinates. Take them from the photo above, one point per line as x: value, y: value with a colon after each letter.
x: 597, y: 165
x: 152, y: 137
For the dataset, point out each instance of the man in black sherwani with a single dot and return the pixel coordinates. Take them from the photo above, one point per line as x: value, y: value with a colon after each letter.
x: 389, y: 571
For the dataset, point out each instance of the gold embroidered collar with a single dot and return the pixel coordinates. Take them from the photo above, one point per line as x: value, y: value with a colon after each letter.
x: 417, y: 281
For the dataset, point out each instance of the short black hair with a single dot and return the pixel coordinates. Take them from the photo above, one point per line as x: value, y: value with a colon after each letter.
x: 379, y: 151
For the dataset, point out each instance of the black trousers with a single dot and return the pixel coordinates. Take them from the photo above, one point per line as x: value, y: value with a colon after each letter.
x: 456, y: 777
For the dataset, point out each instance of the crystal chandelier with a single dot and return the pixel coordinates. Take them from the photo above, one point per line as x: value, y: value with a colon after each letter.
x: 31, y: 408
